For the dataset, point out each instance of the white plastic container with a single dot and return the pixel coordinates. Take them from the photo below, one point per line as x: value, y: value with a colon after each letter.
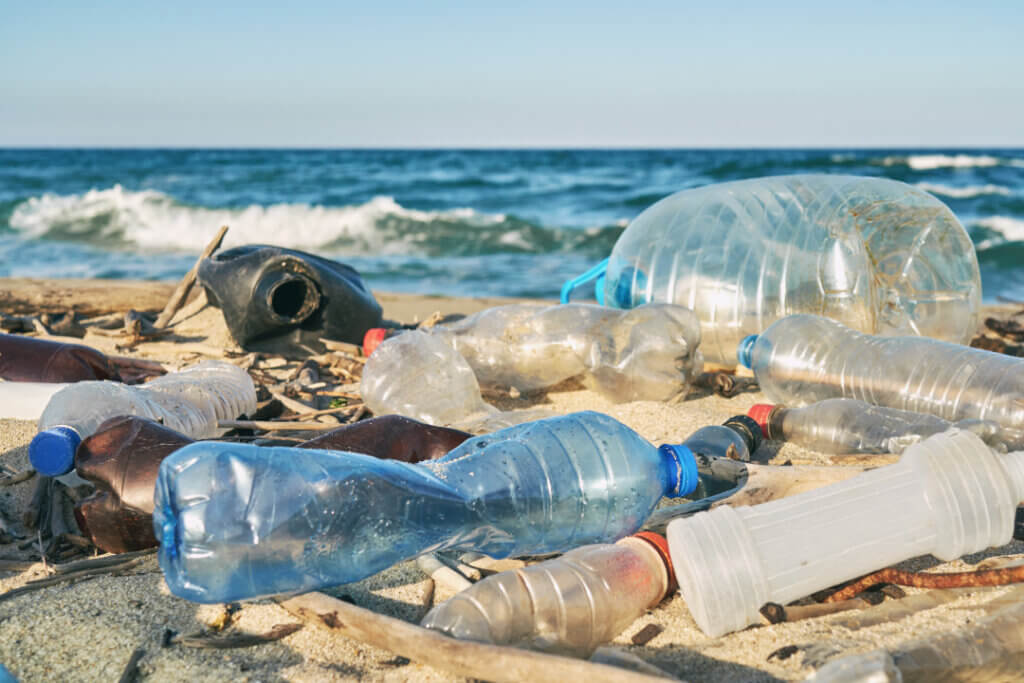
x: 948, y: 495
x: 570, y: 605
x: 190, y: 401
x: 879, y: 255
x: 802, y: 359
x: 26, y: 400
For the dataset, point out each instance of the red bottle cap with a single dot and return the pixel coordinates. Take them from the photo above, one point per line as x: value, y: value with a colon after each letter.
x: 760, y: 413
x: 372, y: 339
x: 661, y: 545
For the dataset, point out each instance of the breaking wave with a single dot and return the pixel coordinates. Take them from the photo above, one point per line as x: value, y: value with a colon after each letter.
x: 153, y: 220
x: 963, y: 192
x: 930, y: 162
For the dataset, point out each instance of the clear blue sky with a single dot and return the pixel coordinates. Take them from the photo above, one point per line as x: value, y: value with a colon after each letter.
x: 438, y: 74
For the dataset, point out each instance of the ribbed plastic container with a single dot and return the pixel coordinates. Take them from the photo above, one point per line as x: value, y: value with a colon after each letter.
x: 879, y: 255
x: 569, y: 605
x: 26, y: 400
x: 238, y: 521
x: 948, y: 495
x: 846, y: 425
x: 190, y: 401
x: 802, y: 359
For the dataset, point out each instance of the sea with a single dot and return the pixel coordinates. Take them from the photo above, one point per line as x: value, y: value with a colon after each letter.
x: 453, y: 222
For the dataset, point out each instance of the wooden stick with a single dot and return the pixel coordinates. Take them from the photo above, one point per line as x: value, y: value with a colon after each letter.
x: 181, y: 293
x: 984, y: 577
x: 237, y: 640
x: 131, y: 669
x: 774, y: 613
x: 269, y: 426
x: 461, y: 657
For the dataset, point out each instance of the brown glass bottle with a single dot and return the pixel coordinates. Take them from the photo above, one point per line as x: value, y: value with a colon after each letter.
x: 123, y: 457
x: 27, y: 359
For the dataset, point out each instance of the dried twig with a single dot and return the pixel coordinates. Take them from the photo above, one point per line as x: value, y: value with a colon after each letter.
x: 281, y: 426
x: 71, y: 577
x: 131, y: 669
x: 13, y: 479
x: 462, y: 657
x: 185, y: 286
x: 775, y: 613
x: 985, y: 577
x: 236, y: 640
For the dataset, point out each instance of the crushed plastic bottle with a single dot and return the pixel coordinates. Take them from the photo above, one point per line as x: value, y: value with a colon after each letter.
x: 948, y: 495
x: 190, y: 401
x: 123, y: 457
x: 238, y: 521
x: 26, y: 359
x: 846, y: 425
x: 803, y: 359
x: 649, y: 353
x: 881, y: 256
x: 569, y: 605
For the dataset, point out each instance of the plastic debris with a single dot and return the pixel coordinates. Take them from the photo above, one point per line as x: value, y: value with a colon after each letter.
x: 948, y: 495
x: 879, y: 255
x: 285, y: 301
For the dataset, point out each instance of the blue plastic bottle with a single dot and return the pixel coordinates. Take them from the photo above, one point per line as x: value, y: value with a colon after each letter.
x: 238, y: 521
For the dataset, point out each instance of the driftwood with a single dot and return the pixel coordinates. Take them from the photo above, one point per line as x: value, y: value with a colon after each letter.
x: 235, y: 640
x: 461, y: 657
x: 185, y: 286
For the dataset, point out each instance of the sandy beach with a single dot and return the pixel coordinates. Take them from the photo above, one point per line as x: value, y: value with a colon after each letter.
x: 88, y: 630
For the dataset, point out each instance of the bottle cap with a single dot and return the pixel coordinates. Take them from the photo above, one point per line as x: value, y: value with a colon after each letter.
x: 684, y: 470
x: 745, y: 350
x: 372, y: 339
x: 761, y: 414
x: 748, y: 428
x: 52, y: 451
x: 661, y: 545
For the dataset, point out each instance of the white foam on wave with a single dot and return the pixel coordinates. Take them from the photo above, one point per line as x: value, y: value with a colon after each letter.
x: 963, y: 192
x: 152, y: 219
x: 930, y: 162
x: 1009, y: 229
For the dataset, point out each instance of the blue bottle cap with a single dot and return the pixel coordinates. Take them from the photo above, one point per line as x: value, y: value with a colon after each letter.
x: 683, y: 467
x: 745, y: 350
x: 52, y: 451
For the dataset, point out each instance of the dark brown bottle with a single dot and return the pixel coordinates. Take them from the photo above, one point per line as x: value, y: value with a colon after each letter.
x: 123, y: 457
x: 27, y: 359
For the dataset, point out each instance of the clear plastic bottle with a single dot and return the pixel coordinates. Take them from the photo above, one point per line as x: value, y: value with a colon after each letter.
x: 846, y: 425
x: 190, y: 401
x: 238, y: 521
x: 569, y: 605
x: 948, y: 495
x: 802, y: 359
x: 649, y: 353
x: 879, y: 255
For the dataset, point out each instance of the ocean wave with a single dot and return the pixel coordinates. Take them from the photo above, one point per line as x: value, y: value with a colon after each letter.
x: 1006, y: 229
x: 153, y: 220
x: 930, y: 162
x: 963, y: 192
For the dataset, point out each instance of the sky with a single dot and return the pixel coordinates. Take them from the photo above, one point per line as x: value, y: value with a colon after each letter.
x: 528, y: 74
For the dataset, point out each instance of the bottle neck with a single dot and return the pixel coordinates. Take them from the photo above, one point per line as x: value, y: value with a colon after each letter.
x: 678, y: 470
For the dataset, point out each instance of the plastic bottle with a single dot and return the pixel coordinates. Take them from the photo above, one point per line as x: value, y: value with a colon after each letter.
x: 948, y: 495
x: 879, y: 255
x: 649, y: 353
x: 569, y: 605
x: 190, y: 401
x: 26, y: 359
x: 846, y: 425
x: 123, y: 457
x: 803, y: 359
x: 239, y: 521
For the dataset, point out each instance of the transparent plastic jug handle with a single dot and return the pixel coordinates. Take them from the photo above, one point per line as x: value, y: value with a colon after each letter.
x: 596, y: 273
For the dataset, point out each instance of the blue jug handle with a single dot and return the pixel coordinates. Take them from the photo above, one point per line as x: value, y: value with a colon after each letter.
x: 596, y: 273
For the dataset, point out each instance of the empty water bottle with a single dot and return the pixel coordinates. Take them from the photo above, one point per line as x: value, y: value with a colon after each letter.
x: 879, y: 255
x: 802, y: 359
x: 190, y: 401
x: 238, y: 521
x: 570, y: 605
x: 649, y: 353
x: 846, y: 425
x: 948, y: 495
x: 26, y: 359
